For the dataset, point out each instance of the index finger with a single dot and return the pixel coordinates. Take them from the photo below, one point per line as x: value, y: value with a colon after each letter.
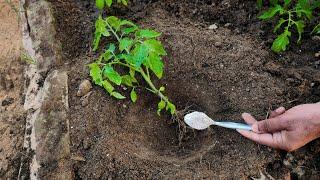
x: 264, y: 139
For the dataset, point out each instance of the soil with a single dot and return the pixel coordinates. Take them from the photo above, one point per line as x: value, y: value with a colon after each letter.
x: 222, y: 72
x: 12, y: 116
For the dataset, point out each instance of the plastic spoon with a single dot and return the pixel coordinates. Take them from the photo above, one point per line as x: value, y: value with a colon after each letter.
x: 200, y: 121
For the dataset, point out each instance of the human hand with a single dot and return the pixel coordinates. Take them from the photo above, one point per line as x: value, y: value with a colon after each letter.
x: 287, y: 130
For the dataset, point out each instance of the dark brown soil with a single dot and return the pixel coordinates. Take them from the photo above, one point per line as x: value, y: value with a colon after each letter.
x: 222, y: 72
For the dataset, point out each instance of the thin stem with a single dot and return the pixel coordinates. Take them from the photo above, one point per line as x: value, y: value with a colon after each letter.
x: 113, y: 32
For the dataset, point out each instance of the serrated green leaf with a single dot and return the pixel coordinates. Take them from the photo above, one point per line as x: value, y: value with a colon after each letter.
x: 127, y: 23
x: 129, y: 30
x: 271, y: 12
x: 155, y: 64
x: 95, y: 73
x: 112, y: 75
x: 140, y: 54
x: 147, y: 33
x: 125, y: 44
x: 107, y: 86
x: 281, y: 42
x: 280, y: 22
x: 133, y: 95
x: 100, y: 4
x: 109, y: 3
x: 99, y: 31
x: 117, y: 95
x: 107, y: 55
x: 128, y: 80
x: 155, y: 46
x: 113, y: 22
x: 300, y: 28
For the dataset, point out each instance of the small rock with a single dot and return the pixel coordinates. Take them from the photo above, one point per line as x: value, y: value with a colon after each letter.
x: 84, y: 88
x: 227, y: 25
x: 317, y: 55
x: 248, y: 89
x: 316, y: 38
x: 7, y: 101
x: 218, y: 44
x: 213, y: 27
x: 312, y: 84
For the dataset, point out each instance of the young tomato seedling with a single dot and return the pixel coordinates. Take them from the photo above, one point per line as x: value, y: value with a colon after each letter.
x: 293, y: 14
x: 136, y: 52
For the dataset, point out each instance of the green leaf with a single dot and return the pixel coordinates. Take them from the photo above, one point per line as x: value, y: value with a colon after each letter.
x: 316, y: 29
x: 107, y: 86
x: 171, y: 107
x: 109, y: 3
x: 112, y: 47
x: 128, y: 80
x: 100, y: 4
x: 300, y: 27
x: 125, y: 44
x: 100, y: 30
x: 112, y: 75
x: 129, y: 30
x: 95, y: 73
x: 124, y: 2
x: 303, y: 7
x: 155, y: 64
x: 271, y: 12
x: 128, y: 23
x: 161, y: 106
x: 107, y: 55
x: 117, y: 95
x: 147, y: 33
x: 155, y: 46
x: 287, y: 2
x: 140, y: 54
x: 113, y: 22
x: 281, y: 42
x: 133, y: 95
x: 280, y: 22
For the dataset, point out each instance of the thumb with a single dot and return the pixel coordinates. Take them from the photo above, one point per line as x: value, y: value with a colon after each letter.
x: 270, y: 125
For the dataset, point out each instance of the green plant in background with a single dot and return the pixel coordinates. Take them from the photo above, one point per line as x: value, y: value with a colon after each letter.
x: 136, y: 52
x: 292, y: 15
x: 103, y: 3
x: 316, y: 29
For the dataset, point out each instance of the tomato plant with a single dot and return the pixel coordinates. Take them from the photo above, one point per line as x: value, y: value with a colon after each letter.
x: 292, y: 15
x: 136, y: 51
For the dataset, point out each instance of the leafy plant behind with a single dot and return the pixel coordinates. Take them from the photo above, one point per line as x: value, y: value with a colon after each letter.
x: 136, y: 51
x: 292, y: 15
x: 101, y: 4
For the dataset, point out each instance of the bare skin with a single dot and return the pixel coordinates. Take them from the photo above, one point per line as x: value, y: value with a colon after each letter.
x: 285, y: 129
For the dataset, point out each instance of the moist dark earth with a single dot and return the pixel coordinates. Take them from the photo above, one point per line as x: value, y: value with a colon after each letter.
x: 222, y: 72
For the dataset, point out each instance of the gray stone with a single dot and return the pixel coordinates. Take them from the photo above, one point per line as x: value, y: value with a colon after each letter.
x: 213, y: 27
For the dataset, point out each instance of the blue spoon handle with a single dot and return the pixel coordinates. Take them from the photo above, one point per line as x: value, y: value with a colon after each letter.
x: 233, y: 125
